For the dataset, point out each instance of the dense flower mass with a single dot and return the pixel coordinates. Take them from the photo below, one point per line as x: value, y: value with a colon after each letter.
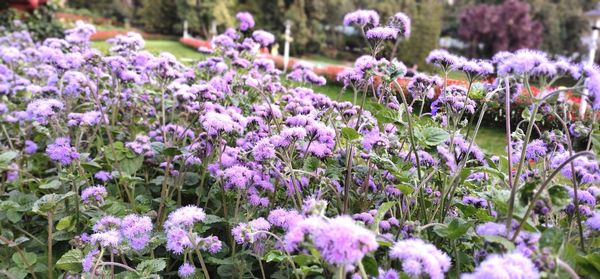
x: 139, y: 164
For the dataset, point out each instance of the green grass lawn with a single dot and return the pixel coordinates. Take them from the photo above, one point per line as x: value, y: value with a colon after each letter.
x: 184, y: 53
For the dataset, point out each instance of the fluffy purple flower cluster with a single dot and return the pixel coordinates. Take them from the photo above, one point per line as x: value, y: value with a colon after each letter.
x: 132, y: 232
x: 513, y: 265
x: 420, y: 258
x: 340, y: 240
x: 62, y: 151
x: 94, y: 195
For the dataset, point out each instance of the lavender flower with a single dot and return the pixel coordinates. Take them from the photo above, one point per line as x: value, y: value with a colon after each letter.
x: 442, y: 59
x: 94, y: 195
x: 136, y: 230
x: 513, y: 265
x: 248, y: 233
x: 420, y: 258
x: 41, y: 110
x: 246, y: 20
x: 401, y: 22
x: 186, y: 270
x: 340, y: 240
x: 382, y: 33
x: 362, y: 18
x: 262, y: 37
x: 62, y: 151
x: 30, y: 147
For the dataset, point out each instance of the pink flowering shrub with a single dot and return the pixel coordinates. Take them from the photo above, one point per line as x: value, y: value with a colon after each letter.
x: 130, y: 164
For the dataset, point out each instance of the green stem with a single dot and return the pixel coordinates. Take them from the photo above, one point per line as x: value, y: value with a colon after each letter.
x: 50, y: 228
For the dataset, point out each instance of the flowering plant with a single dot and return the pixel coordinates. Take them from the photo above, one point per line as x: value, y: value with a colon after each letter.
x: 135, y: 165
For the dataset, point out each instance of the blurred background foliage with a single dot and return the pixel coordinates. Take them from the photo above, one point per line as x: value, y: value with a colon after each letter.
x: 474, y: 28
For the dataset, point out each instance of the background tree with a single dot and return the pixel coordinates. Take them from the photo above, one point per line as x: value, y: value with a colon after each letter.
x: 492, y: 28
x: 160, y: 16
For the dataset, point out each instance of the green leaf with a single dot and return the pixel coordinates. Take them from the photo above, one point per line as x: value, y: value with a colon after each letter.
x: 433, y: 136
x: 211, y: 219
x: 406, y: 189
x: 589, y: 265
x: 18, y: 273
x: 508, y: 245
x: 71, y: 261
x: 386, y: 115
x: 54, y: 184
x: 383, y: 208
x: 303, y: 259
x: 25, y: 259
x: 131, y: 166
x: 274, y: 256
x: 49, y: 202
x: 311, y: 163
x: 559, y: 196
x: 64, y: 223
x: 148, y: 267
x: 7, y: 156
x: 552, y: 238
x: 370, y: 265
x: 350, y: 134
x: 171, y: 151
x: 454, y: 230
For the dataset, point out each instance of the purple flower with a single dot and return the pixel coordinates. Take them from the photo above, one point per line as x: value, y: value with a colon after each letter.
x: 382, y: 33
x: 62, y: 151
x: 247, y: 233
x: 185, y: 216
x: 419, y: 257
x: 103, y: 176
x: 30, y: 147
x: 94, y: 195
x: 455, y: 97
x: 263, y: 150
x: 340, y: 240
x: 362, y: 18
x: 212, y: 244
x: 262, y: 37
x: 523, y: 62
x: 513, y: 265
x: 442, y: 58
x: 186, y: 270
x: 475, y: 201
x: 238, y: 177
x: 89, y: 260
x: 246, y: 20
x: 136, y: 230
x: 42, y: 109
x: 400, y: 22
x: 109, y: 239
x: 284, y: 218
x: 594, y: 221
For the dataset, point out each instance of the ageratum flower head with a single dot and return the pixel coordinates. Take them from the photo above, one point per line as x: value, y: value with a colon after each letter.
x: 420, y: 258
x: 361, y: 18
x: 62, y: 151
x: 248, y: 233
x: 136, y: 230
x: 94, y: 195
x: 442, y: 58
x: 400, y: 22
x: 41, y: 110
x: 340, y: 240
x: 382, y: 33
x: 263, y: 38
x: 511, y: 266
x: 246, y: 20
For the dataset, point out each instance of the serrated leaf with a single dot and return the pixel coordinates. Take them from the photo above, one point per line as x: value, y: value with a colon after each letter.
x: 370, y: 265
x: 148, y: 267
x: 7, y: 156
x: 71, y: 261
x: 507, y: 244
x: 405, y: 189
x: 53, y: 185
x: 25, y: 259
x: 383, y: 208
x: 64, y: 223
x: 552, y: 238
x: 350, y: 134
x: 433, y: 136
